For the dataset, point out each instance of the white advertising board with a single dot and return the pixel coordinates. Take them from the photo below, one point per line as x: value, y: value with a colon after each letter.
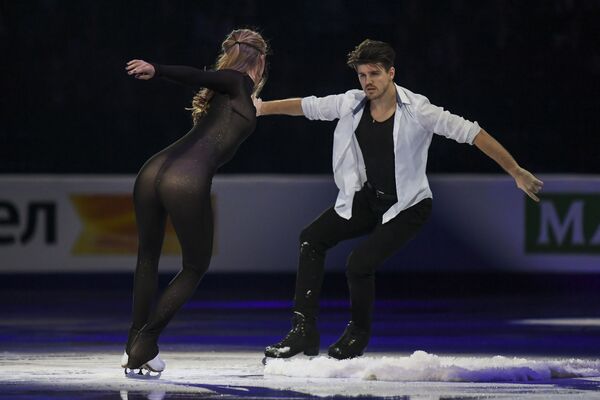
x: 86, y: 223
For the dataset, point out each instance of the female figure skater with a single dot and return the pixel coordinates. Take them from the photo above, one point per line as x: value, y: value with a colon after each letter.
x: 177, y: 181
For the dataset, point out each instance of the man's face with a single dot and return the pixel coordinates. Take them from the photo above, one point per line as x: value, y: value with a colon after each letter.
x: 374, y: 79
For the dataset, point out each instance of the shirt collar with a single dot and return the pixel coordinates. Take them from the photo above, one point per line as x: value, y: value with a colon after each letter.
x: 401, y: 99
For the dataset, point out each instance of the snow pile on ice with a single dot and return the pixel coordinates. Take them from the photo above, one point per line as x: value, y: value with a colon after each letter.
x: 421, y: 366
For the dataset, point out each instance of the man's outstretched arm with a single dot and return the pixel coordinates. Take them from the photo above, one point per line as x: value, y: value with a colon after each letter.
x: 524, y: 179
x: 279, y: 107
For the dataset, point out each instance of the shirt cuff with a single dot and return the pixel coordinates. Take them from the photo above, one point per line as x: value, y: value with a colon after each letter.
x: 475, y: 129
x: 309, y: 107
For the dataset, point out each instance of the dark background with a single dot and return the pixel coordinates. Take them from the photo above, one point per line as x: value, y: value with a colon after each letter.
x: 528, y: 71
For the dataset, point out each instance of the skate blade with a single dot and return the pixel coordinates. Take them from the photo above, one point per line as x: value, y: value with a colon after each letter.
x: 141, y: 373
x: 298, y: 356
x: 343, y: 359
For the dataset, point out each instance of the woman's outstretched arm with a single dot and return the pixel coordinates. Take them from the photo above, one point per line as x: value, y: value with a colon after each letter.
x: 225, y: 81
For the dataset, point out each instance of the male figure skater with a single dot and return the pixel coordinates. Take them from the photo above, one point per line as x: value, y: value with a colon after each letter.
x: 379, y: 159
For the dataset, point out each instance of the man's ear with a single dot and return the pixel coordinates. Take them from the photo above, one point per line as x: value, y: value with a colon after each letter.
x: 392, y: 72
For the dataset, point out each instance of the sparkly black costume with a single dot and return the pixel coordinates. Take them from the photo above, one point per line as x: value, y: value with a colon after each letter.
x: 177, y: 182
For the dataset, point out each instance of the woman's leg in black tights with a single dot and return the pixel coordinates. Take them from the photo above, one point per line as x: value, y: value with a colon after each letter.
x: 150, y: 219
x: 191, y: 214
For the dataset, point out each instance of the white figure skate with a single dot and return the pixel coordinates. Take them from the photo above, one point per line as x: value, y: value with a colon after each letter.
x: 156, y: 365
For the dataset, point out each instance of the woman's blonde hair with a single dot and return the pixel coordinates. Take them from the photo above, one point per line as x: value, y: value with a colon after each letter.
x: 242, y: 50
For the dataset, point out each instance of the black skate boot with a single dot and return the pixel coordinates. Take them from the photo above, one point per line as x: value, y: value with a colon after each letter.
x: 351, y: 344
x: 303, y: 338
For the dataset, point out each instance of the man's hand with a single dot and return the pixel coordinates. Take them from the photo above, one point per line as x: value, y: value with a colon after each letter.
x: 140, y: 69
x: 257, y: 104
x: 528, y: 183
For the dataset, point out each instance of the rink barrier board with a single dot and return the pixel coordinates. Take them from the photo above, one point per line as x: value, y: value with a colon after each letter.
x: 82, y: 224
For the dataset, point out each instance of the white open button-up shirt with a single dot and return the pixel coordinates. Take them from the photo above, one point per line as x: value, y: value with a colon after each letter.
x: 415, y: 121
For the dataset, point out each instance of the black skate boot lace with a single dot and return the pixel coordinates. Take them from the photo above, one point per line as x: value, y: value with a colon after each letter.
x: 350, y: 336
x: 298, y: 328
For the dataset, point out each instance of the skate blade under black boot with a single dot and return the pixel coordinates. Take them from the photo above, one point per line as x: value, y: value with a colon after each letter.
x: 308, y: 354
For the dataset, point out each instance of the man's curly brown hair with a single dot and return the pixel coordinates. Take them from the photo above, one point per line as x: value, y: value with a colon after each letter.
x: 372, y: 52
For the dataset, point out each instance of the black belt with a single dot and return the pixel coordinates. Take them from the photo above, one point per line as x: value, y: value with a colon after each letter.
x: 379, y: 194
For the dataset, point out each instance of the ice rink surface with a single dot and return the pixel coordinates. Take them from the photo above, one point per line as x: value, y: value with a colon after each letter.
x: 90, y: 374
x: 67, y: 344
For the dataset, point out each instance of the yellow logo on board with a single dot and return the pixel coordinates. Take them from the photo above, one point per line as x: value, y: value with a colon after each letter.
x: 109, y: 227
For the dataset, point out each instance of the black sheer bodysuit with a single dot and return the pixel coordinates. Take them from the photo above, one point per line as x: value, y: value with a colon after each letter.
x: 177, y: 182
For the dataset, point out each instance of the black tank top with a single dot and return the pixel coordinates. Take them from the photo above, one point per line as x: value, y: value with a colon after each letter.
x: 376, y: 141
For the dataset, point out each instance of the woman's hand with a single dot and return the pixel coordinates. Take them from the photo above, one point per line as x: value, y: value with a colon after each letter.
x: 257, y: 104
x: 528, y: 183
x: 140, y: 69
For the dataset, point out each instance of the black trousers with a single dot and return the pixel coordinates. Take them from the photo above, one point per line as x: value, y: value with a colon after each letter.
x: 383, y: 241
